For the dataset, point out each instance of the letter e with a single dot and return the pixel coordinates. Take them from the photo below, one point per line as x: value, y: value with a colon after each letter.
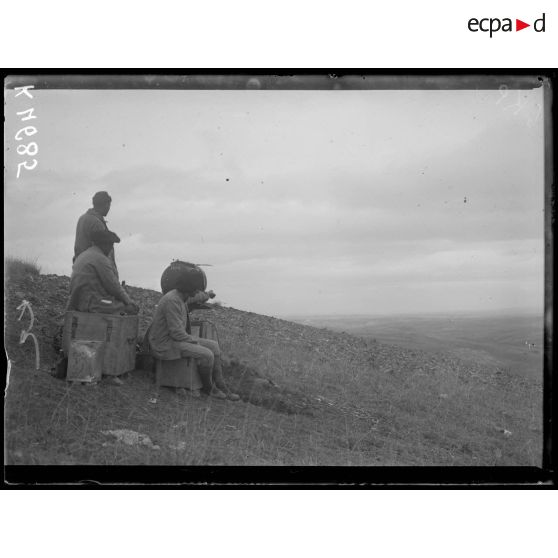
x: 473, y: 21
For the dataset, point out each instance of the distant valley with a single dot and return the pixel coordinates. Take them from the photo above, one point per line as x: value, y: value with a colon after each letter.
x: 510, y: 340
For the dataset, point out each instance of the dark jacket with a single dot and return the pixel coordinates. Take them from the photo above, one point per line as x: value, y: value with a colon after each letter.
x: 88, y: 223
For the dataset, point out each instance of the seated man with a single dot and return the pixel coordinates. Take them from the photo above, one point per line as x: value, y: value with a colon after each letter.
x: 94, y: 285
x: 169, y: 340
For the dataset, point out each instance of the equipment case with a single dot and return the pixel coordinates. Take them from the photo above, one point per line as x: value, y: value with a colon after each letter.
x: 119, y: 334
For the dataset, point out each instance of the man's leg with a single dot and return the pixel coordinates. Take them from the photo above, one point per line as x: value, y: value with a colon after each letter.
x: 206, y: 361
x: 218, y: 377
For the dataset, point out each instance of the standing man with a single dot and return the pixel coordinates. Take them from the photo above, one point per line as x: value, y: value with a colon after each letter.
x: 93, y: 220
x: 169, y: 339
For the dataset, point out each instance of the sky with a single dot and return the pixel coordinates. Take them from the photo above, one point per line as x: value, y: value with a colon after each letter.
x: 302, y: 202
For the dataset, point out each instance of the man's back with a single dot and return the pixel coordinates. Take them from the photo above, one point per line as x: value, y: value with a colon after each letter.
x: 89, y: 222
x: 93, y: 279
x: 169, y: 326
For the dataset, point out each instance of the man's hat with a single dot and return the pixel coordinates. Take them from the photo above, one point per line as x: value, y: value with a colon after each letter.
x: 104, y: 237
x: 101, y: 197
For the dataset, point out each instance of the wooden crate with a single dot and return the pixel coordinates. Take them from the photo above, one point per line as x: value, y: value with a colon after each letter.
x: 179, y: 373
x: 85, y: 361
x: 183, y: 373
x: 119, y: 334
x: 204, y: 329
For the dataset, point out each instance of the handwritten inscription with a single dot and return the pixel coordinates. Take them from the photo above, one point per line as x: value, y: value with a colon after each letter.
x: 31, y: 148
x: 26, y: 333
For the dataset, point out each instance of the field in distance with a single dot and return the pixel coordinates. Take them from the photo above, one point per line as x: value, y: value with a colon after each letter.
x: 512, y: 340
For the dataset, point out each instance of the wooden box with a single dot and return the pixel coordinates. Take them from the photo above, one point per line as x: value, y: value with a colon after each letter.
x: 183, y: 373
x: 119, y: 334
x: 204, y: 329
x: 85, y: 361
x: 180, y: 373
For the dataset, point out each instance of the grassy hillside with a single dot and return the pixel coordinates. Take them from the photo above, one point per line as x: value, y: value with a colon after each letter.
x: 310, y: 396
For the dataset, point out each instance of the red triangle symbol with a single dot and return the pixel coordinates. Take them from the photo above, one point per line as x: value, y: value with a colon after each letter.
x: 519, y: 25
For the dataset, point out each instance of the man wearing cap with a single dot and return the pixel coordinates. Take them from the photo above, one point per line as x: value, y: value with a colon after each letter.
x: 94, y: 285
x: 169, y: 340
x: 93, y: 220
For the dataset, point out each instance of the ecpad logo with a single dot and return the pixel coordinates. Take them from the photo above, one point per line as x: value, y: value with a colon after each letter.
x: 493, y: 25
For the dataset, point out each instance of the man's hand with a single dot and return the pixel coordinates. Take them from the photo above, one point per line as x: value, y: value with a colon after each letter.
x: 132, y: 309
x: 199, y: 297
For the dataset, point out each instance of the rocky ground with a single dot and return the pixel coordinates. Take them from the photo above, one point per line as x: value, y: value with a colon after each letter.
x: 309, y: 396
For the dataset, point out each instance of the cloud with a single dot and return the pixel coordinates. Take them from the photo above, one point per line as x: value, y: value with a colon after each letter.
x: 298, y: 199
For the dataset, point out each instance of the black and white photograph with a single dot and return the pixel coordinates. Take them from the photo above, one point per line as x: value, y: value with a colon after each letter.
x: 274, y: 270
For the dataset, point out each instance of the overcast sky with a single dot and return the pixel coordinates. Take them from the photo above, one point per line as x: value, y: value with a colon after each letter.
x: 304, y: 202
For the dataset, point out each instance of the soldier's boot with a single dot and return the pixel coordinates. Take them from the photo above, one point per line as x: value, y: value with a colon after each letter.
x: 209, y: 388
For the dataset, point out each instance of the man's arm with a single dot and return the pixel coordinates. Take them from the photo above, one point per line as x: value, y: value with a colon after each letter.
x: 200, y: 297
x: 109, y: 280
x: 92, y: 224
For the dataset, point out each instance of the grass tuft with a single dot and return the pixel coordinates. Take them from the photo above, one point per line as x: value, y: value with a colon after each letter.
x: 15, y: 268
